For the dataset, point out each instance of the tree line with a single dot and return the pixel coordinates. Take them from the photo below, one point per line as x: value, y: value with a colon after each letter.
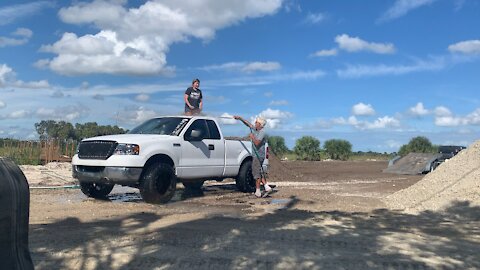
x: 306, y: 148
x: 61, y: 130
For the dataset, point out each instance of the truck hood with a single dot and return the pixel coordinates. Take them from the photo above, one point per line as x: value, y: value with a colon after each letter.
x: 132, y: 138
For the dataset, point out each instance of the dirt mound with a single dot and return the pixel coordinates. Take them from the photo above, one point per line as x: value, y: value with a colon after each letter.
x: 279, y: 171
x: 457, y: 179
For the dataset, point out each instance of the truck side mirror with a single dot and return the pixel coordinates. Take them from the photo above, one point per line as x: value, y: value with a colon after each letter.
x: 196, y: 135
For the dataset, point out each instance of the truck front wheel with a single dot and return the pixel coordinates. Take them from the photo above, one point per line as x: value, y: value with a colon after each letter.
x: 158, y: 183
x: 244, y: 180
x: 96, y: 190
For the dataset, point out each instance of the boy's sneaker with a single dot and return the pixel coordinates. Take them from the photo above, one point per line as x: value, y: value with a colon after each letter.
x: 258, y: 194
x: 268, y: 188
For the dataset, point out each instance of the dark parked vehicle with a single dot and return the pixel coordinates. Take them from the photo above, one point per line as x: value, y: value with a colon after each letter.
x: 446, y: 152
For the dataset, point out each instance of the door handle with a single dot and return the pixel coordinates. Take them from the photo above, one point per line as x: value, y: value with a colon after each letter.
x: 211, y: 147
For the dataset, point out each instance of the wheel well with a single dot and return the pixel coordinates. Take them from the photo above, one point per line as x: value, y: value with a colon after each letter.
x: 159, y: 158
x: 246, y: 159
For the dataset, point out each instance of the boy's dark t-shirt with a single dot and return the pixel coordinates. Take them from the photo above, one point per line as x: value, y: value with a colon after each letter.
x: 194, y: 98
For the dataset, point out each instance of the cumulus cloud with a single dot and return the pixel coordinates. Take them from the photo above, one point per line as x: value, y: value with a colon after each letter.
x: 402, y: 7
x: 379, y: 123
x: 275, y: 118
x: 8, y: 78
x: 135, y: 40
x: 362, y: 109
x: 136, y: 115
x: 418, y: 110
x: 2, y: 104
x: 355, y: 44
x: 466, y: 47
x: 444, y: 117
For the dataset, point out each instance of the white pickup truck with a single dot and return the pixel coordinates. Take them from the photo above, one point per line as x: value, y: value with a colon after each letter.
x: 155, y: 155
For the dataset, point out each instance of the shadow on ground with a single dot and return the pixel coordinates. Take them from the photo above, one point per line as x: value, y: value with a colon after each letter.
x: 286, y: 239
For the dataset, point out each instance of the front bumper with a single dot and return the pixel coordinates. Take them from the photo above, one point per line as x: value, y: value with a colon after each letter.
x: 111, y: 175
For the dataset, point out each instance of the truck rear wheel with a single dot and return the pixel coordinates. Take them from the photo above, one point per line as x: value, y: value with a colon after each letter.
x: 96, y: 190
x: 244, y: 180
x: 158, y: 183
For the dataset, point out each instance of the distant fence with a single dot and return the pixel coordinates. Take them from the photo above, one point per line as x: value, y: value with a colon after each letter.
x: 38, y: 152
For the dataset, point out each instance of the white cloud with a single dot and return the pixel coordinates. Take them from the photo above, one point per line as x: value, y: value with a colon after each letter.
x: 261, y: 66
x: 23, y: 32
x: 380, y: 70
x: 24, y: 35
x: 19, y: 114
x: 2, y: 104
x: 7, y: 78
x: 418, y: 110
x: 278, y: 102
x: 268, y: 94
x: 64, y: 113
x: 275, y: 118
x: 466, y: 47
x: 314, y: 18
x: 442, y: 111
x: 379, y: 123
x: 402, y: 7
x: 362, y: 109
x: 9, y: 14
x: 355, y: 44
x: 142, y: 97
x: 136, y: 40
x: 325, y: 53
x: 5, y: 73
x: 136, y: 115
x: 245, y: 67
x: 444, y: 117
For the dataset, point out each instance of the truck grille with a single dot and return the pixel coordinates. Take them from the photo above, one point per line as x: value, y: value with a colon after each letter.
x: 96, y: 149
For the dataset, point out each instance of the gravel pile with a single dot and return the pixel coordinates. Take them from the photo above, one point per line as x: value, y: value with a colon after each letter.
x: 457, y: 179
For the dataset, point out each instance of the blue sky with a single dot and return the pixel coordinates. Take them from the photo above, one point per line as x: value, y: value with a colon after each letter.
x: 375, y: 73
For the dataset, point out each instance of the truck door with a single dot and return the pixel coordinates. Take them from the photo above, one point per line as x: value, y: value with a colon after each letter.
x: 202, y: 158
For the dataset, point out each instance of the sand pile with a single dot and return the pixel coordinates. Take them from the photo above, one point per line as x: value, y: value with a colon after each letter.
x: 51, y: 174
x: 457, y: 179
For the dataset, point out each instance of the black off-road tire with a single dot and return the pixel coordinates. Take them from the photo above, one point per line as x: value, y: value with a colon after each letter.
x: 244, y: 180
x: 96, y: 190
x: 193, y: 185
x: 158, y: 183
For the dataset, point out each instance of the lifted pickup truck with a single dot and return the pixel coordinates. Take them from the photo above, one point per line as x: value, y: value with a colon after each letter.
x: 155, y: 155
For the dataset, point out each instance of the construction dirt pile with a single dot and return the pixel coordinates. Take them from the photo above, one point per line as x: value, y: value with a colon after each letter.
x: 279, y: 171
x: 457, y: 179
x: 51, y: 174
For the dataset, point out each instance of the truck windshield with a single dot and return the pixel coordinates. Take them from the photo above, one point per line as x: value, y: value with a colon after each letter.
x: 161, y: 126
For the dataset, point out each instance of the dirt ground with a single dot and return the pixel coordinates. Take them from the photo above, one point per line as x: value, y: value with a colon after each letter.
x: 324, y: 215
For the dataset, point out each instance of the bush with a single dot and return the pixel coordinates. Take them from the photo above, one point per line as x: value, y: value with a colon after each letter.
x: 307, y: 148
x: 277, y: 145
x: 418, y: 144
x: 338, y: 149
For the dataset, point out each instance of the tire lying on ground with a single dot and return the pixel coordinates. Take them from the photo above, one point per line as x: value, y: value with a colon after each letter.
x: 14, y: 216
x: 158, y: 183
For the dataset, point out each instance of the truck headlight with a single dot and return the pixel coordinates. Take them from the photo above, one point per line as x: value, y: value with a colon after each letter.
x: 127, y: 149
